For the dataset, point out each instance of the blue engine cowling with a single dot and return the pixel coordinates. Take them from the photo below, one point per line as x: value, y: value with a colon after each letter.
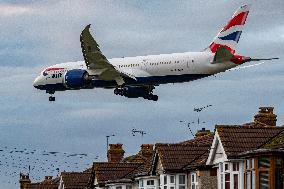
x: 134, y: 92
x: 76, y: 79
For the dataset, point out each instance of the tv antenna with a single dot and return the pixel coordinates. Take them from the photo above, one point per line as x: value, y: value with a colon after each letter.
x: 141, y: 132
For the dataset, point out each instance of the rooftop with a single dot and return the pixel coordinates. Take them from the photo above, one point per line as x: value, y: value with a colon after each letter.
x: 185, y: 155
x: 240, y: 138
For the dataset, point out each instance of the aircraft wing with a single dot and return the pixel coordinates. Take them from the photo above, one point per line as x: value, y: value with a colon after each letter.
x: 96, y: 62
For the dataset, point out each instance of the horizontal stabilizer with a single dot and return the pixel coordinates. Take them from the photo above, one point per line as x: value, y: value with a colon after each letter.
x: 222, y: 55
x: 248, y: 59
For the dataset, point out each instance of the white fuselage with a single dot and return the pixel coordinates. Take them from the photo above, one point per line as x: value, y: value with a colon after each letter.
x: 166, y: 67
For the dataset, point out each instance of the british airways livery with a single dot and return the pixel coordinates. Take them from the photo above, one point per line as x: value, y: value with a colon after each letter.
x: 135, y: 77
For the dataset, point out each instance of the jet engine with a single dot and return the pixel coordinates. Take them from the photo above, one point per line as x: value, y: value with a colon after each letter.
x: 76, y: 79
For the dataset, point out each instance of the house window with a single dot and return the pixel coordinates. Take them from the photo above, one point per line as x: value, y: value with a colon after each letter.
x: 141, y: 184
x: 172, y: 179
x: 181, y: 182
x: 229, y: 175
x: 150, y: 182
x: 165, y: 180
x: 264, y: 162
x: 264, y: 180
x: 181, y: 179
x: 118, y: 187
x: 213, y: 172
x: 128, y: 187
x: 227, y: 180
x: 194, y: 183
x: 279, y: 175
x: 250, y: 174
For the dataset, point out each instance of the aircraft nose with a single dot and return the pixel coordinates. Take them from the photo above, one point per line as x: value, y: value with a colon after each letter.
x: 36, y: 82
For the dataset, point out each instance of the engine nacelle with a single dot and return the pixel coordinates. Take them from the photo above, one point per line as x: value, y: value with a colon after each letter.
x: 76, y: 79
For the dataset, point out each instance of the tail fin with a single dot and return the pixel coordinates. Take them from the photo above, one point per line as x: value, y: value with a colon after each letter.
x: 229, y: 35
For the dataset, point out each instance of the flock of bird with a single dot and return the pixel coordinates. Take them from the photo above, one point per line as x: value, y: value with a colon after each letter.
x: 39, y: 163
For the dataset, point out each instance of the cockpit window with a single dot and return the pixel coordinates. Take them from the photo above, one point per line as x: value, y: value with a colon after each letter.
x: 44, y: 73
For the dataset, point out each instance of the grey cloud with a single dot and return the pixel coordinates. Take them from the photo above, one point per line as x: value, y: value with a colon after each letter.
x: 128, y: 28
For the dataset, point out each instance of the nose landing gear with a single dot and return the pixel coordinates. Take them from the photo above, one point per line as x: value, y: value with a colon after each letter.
x: 51, y: 98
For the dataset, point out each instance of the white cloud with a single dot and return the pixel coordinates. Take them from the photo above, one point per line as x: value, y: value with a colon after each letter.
x: 15, y: 10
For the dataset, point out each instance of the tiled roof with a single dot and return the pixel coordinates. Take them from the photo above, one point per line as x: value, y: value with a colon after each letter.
x: 75, y: 180
x: 52, y: 184
x: 137, y: 158
x: 105, y: 171
x: 275, y: 143
x: 199, y: 140
x: 142, y: 170
x: 175, y: 157
x: 237, y: 139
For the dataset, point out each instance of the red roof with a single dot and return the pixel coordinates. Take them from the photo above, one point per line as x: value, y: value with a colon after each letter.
x: 237, y: 139
x: 75, y: 180
x: 175, y: 157
x: 50, y: 184
x: 105, y: 171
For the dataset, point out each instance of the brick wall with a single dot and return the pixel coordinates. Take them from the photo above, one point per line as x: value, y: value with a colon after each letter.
x: 207, y: 179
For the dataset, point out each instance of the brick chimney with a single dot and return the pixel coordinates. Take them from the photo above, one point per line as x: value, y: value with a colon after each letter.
x: 24, y: 181
x: 146, y: 150
x: 266, y: 116
x: 202, y: 132
x: 47, y: 179
x: 115, y: 153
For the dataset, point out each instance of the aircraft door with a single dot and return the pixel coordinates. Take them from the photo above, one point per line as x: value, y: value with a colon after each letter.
x: 190, y: 64
x: 144, y: 64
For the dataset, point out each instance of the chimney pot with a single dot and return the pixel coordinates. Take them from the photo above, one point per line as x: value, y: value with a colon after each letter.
x: 115, y: 153
x: 24, y: 181
x: 202, y: 132
x: 266, y: 116
x: 146, y: 150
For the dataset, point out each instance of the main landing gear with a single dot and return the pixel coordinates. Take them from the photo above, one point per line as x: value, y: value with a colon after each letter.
x: 51, y: 98
x: 137, y: 91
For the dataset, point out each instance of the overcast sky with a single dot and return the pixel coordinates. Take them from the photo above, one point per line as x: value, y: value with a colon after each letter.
x: 37, y: 34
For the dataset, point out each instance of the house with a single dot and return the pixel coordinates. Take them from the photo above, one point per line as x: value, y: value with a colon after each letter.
x: 183, y: 165
x: 233, y: 147
x: 248, y: 156
x: 48, y: 183
x: 118, y: 172
x: 264, y: 167
x: 74, y: 180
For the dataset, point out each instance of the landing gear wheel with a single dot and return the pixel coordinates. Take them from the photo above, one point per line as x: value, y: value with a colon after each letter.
x: 116, y: 91
x: 155, y: 97
x: 51, y: 99
x: 152, y: 97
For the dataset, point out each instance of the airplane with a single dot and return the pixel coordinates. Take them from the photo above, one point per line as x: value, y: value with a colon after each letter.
x: 135, y: 77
